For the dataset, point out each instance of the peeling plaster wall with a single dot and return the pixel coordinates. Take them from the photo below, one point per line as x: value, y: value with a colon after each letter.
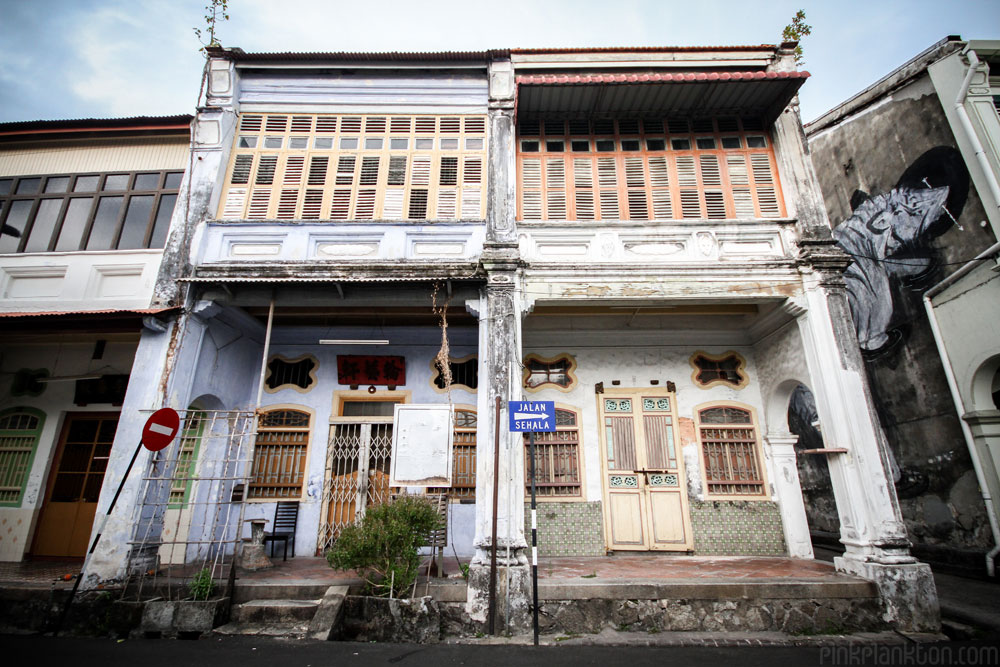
x: 869, y: 154
x: 60, y: 359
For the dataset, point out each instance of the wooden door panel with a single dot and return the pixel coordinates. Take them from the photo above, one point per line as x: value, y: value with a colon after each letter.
x: 54, y: 530
x: 626, y: 521
x: 667, y: 519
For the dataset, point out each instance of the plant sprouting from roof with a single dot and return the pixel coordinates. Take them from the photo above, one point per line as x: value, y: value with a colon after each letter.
x: 795, y: 31
x: 215, y: 12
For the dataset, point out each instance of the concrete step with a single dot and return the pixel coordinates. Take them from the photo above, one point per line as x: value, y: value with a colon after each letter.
x: 245, y: 591
x: 275, y: 612
x: 299, y: 631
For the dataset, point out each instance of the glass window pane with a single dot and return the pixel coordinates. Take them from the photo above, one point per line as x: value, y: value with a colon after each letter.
x: 57, y: 184
x: 529, y: 146
x: 247, y: 142
x: 45, y: 224
x: 449, y: 144
x: 146, y: 182
x: 474, y: 144
x: 173, y: 180
x: 86, y: 183
x: 630, y: 144
x: 399, y: 144
x: 349, y: 142
x: 680, y: 144
x: 605, y: 145
x: 136, y: 222
x: 424, y: 144
x: 373, y: 143
x: 28, y: 186
x: 705, y: 143
x: 731, y: 142
x: 74, y: 223
x: 162, y: 223
x: 323, y: 142
x: 17, y: 218
x: 116, y: 182
x: 554, y: 146
x: 755, y: 141
x: 5, y: 185
x: 298, y: 142
x: 656, y: 145
x: 273, y: 142
x: 102, y: 233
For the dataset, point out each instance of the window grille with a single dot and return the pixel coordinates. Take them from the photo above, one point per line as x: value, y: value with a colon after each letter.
x: 540, y: 372
x: 279, y: 457
x: 557, y: 458
x: 727, y: 369
x: 730, y: 452
x: 20, y: 429
x: 464, y: 374
x: 320, y: 167
x: 649, y: 169
x: 295, y: 373
x: 105, y: 211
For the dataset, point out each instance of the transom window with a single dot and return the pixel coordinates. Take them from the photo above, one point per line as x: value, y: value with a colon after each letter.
x: 730, y: 452
x: 646, y: 169
x: 298, y: 373
x: 105, y: 211
x: 20, y: 429
x: 715, y: 369
x: 464, y: 373
x: 557, y: 458
x: 279, y: 456
x: 356, y: 167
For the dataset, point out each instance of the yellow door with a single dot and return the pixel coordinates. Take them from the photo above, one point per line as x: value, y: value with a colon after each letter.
x: 75, y: 485
x: 645, y: 490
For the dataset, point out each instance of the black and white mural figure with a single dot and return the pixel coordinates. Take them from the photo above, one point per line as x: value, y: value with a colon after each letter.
x: 889, y: 238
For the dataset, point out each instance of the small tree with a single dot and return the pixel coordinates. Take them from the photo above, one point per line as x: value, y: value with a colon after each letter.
x: 215, y: 11
x: 382, y: 548
x: 795, y: 31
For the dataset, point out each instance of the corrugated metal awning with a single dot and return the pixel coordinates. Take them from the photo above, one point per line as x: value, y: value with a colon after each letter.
x: 78, y: 313
x: 588, y: 95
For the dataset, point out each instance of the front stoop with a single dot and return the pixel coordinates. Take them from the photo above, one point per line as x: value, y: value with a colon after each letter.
x: 291, y: 618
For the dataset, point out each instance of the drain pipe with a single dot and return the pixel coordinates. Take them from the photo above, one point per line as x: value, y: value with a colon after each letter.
x: 970, y: 133
x: 957, y: 397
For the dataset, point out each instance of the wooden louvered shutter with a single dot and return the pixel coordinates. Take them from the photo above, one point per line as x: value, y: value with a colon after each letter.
x: 583, y: 186
x: 607, y: 181
x: 659, y: 183
x: 531, y: 189
x: 555, y: 189
x: 635, y: 183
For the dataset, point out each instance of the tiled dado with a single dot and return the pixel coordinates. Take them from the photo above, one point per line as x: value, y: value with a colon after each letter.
x: 567, y: 529
x: 234, y: 242
x: 737, y: 528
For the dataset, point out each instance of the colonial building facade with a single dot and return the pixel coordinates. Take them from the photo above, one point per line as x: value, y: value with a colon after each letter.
x: 633, y: 234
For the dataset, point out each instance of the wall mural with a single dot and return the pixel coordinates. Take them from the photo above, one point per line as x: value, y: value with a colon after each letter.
x: 889, y: 237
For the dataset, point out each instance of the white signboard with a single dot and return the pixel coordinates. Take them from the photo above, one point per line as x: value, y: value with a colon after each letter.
x: 421, y: 445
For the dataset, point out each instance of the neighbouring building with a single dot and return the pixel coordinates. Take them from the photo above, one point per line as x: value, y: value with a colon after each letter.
x: 85, y: 207
x: 909, y: 171
x: 635, y: 234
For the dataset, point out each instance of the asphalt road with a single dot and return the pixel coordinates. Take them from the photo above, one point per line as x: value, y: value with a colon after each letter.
x: 38, y: 651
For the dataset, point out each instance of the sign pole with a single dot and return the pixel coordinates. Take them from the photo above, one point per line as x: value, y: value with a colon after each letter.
x: 534, y: 542
x: 158, y: 432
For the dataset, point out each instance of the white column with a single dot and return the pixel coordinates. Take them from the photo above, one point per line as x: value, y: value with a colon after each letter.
x: 781, y: 450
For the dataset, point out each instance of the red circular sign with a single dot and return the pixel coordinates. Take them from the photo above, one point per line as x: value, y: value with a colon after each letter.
x: 160, y: 429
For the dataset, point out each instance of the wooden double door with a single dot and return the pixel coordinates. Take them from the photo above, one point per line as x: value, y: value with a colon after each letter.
x: 645, y: 490
x: 74, y: 485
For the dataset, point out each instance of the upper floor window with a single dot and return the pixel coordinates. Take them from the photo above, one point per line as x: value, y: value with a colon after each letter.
x: 356, y: 167
x: 646, y: 169
x: 120, y: 210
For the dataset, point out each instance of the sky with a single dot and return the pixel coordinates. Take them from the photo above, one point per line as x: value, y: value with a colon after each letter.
x: 64, y: 59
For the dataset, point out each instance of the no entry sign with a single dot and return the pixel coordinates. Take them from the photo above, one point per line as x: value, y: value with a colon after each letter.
x: 160, y: 429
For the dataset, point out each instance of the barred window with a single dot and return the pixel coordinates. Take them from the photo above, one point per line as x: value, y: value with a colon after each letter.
x: 730, y: 452
x: 106, y: 211
x: 279, y: 457
x: 541, y: 372
x: 20, y: 429
x: 557, y: 458
x: 464, y: 373
x: 356, y: 167
x: 646, y: 169
x: 727, y: 369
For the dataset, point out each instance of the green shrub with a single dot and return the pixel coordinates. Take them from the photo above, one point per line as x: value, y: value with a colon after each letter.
x: 201, y: 586
x: 382, y: 548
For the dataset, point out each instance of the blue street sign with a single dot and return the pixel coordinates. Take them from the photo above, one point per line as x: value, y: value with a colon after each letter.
x: 532, y: 416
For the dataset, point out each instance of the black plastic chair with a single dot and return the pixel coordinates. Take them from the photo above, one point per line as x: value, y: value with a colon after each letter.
x: 286, y: 516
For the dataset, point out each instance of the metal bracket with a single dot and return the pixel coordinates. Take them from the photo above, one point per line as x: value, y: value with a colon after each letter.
x: 599, y: 388
x: 671, y: 387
